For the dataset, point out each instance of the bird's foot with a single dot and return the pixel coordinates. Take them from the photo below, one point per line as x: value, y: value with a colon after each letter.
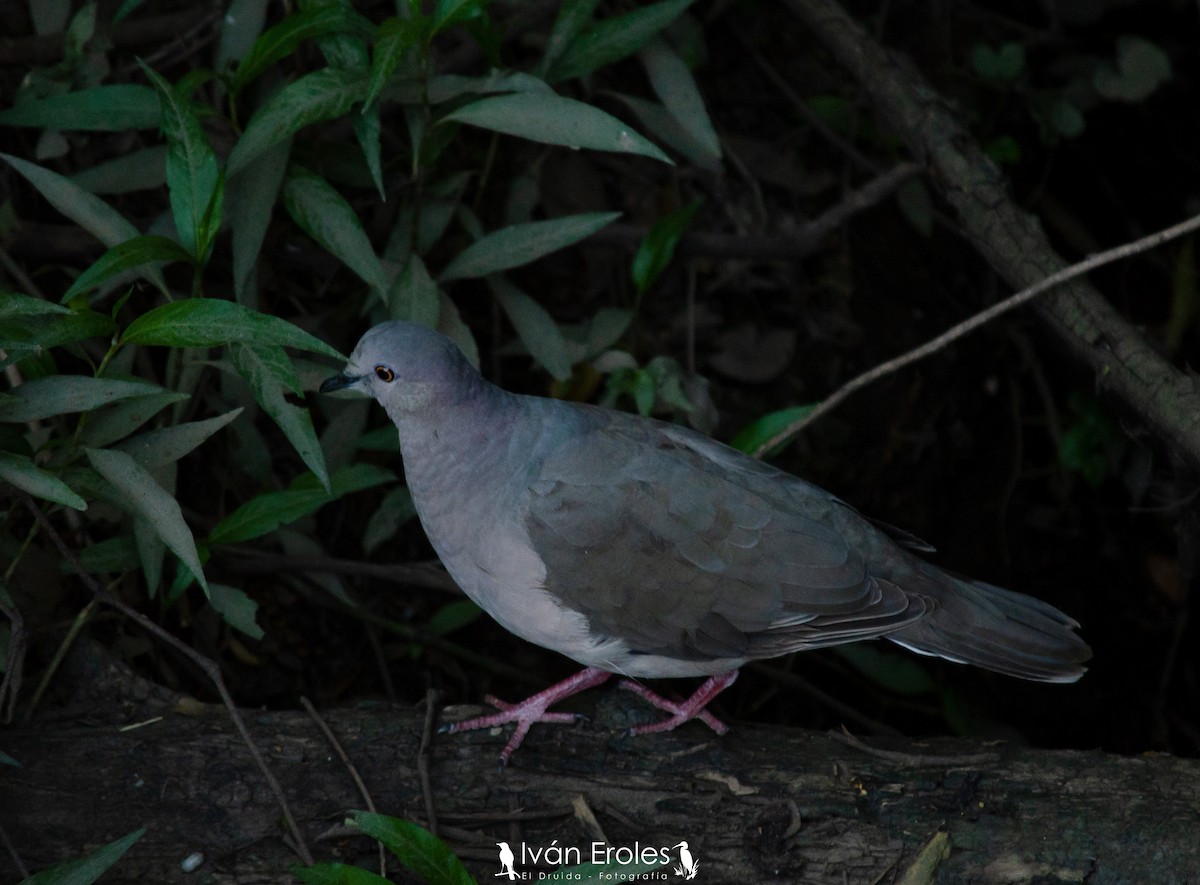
x: 532, y: 709
x: 682, y: 711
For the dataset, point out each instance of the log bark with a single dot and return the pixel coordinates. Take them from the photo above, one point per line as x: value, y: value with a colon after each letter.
x: 759, y: 804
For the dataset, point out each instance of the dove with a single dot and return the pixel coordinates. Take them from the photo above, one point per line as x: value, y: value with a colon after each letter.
x: 648, y: 550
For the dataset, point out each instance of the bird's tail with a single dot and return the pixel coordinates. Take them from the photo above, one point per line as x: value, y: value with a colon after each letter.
x: 971, y: 622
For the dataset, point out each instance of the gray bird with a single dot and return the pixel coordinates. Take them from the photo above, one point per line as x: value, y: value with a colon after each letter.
x: 646, y: 549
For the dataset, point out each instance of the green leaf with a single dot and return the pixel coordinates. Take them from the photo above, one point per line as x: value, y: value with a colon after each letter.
x: 259, y: 365
x: 168, y: 444
x: 325, y: 216
x: 615, y: 38
x: 24, y: 474
x: 890, y: 669
x: 270, y: 510
x: 757, y: 433
x: 337, y: 874
x: 236, y: 608
x: 114, y: 108
x: 192, y: 174
x: 212, y: 322
x: 573, y: 17
x: 110, y: 556
x: 106, y: 426
x: 143, y: 169
x: 282, y: 40
x: 1140, y: 68
x: 86, y: 210
x: 674, y: 85
x: 552, y: 119
x: 251, y: 201
x: 393, y: 40
x: 241, y: 24
x: 418, y: 849
x: 367, y: 129
x: 87, y: 869
x: 519, y: 244
x: 321, y: 95
x: 414, y: 294
x: 453, y: 616
x: 66, y: 394
x: 395, y: 509
x: 536, y: 328
x: 137, y: 252
x: 452, y: 12
x: 15, y: 304
x: 142, y: 497
x: 22, y: 335
x: 658, y: 247
x: 657, y: 120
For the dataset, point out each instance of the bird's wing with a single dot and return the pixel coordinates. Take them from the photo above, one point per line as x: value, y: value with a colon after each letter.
x: 681, y: 546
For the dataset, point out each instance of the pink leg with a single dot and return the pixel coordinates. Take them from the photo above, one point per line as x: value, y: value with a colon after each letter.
x: 531, y: 710
x: 682, y: 711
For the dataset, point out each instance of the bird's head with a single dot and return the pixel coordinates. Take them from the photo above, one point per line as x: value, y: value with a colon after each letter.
x: 406, y: 368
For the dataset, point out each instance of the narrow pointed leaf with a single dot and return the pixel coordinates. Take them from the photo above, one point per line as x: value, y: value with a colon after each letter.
x: 676, y: 88
x: 251, y: 201
x: 212, y: 322
x: 520, y: 244
x: 281, y: 40
x: 141, y: 496
x: 417, y: 848
x: 758, y: 433
x: 573, y: 17
x: 88, y: 211
x: 168, y: 444
x: 192, y: 174
x: 236, y: 608
x: 615, y: 38
x: 67, y: 394
x: 414, y: 295
x: 321, y: 95
x: 254, y: 364
x: 553, y: 119
x: 536, y: 328
x: 450, y: 12
x: 325, y: 215
x: 143, y: 169
x: 270, y: 510
x: 394, y: 39
x: 658, y: 247
x: 111, y: 423
x: 141, y: 251
x: 25, y: 475
x: 113, y: 108
x: 88, y: 868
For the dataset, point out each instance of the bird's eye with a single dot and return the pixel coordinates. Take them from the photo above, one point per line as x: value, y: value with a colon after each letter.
x: 383, y: 373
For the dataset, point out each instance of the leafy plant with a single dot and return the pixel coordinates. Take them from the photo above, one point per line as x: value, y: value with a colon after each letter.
x: 188, y: 342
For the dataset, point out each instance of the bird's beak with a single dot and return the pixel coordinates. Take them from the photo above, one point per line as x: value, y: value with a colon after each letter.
x: 339, y: 382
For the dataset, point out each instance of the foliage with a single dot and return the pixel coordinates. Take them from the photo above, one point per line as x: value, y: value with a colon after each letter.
x: 87, y: 869
x: 170, y: 342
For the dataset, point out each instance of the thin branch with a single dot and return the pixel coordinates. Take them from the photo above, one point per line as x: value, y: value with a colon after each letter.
x: 350, y: 768
x: 970, y: 324
x: 773, y: 247
x: 206, y: 665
